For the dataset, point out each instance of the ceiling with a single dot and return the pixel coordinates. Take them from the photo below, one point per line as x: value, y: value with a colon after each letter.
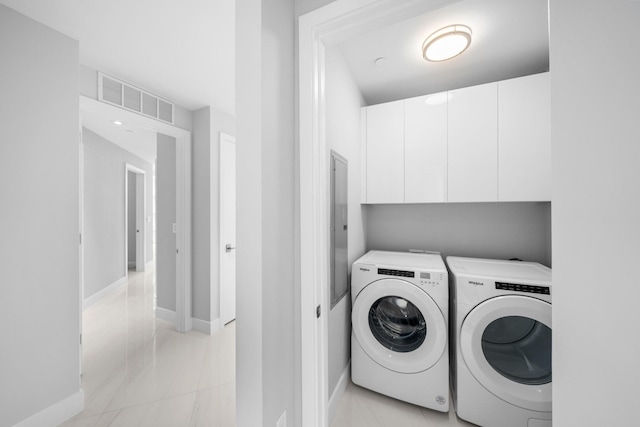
x: 136, y: 139
x: 510, y: 39
x: 183, y: 51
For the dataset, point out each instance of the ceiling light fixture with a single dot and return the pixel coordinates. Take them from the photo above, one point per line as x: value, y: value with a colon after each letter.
x: 446, y: 43
x: 117, y: 122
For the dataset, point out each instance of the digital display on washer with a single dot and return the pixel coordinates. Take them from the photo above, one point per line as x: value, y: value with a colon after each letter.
x: 388, y: 272
x: 518, y: 287
x: 425, y: 275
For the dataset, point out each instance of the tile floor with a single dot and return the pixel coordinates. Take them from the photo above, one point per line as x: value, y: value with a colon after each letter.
x: 364, y: 408
x: 138, y: 371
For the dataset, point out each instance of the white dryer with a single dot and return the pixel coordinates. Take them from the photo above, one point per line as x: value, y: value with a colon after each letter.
x: 501, y: 344
x: 399, y: 327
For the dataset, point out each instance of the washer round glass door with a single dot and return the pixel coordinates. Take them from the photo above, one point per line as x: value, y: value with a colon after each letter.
x: 506, y: 344
x: 399, y: 325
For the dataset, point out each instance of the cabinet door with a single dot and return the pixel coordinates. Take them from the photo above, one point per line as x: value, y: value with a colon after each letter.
x: 425, y: 151
x: 385, y: 153
x: 524, y: 139
x: 473, y: 144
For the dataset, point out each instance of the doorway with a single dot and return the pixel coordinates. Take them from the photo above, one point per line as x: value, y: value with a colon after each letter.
x: 135, y: 218
x: 227, y: 228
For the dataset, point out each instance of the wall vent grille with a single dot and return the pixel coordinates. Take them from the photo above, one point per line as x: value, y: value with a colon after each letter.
x: 124, y: 95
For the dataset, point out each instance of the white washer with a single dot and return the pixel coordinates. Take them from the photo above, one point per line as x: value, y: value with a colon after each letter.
x: 399, y: 327
x: 501, y: 343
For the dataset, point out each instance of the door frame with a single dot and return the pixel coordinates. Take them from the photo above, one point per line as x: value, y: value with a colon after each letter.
x: 141, y: 212
x: 224, y: 139
x: 184, y: 321
x: 324, y: 27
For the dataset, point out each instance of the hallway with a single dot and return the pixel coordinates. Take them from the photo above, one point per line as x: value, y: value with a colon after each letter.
x: 138, y: 371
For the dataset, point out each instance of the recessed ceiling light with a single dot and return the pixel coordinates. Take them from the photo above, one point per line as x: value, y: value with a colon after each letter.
x: 117, y: 122
x: 129, y: 130
x: 438, y: 98
x: 446, y: 43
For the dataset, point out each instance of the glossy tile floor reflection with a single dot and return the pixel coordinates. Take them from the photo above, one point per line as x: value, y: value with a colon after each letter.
x: 360, y: 407
x: 138, y: 371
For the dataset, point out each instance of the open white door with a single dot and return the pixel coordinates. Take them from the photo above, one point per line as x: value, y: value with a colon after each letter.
x: 227, y: 228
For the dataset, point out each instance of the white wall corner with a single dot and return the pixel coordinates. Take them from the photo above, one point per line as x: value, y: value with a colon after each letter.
x: 88, y: 302
x: 57, y: 413
x: 338, y: 392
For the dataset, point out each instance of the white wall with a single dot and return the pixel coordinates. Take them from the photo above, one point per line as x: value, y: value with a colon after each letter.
x: 165, y: 218
x: 267, y: 357
x: 39, y: 220
x: 483, y: 230
x: 201, y: 241
x: 595, y: 93
x: 343, y: 102
x: 104, y: 211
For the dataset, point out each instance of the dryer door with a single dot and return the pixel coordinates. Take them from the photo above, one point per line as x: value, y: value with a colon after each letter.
x: 506, y: 344
x: 399, y: 326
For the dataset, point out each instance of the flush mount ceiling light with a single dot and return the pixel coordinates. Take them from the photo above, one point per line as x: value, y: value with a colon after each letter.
x: 446, y: 43
x: 117, y: 122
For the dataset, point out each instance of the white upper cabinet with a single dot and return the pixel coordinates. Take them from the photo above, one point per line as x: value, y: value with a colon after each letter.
x: 385, y: 153
x: 425, y: 151
x: 524, y: 139
x: 473, y: 144
x: 486, y: 143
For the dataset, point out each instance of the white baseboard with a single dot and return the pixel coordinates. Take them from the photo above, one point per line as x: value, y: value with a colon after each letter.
x: 57, y: 413
x: 338, y: 392
x: 199, y: 325
x: 88, y: 302
x: 166, y: 315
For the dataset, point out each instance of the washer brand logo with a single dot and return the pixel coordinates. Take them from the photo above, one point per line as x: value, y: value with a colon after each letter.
x: 471, y: 282
x: 364, y: 269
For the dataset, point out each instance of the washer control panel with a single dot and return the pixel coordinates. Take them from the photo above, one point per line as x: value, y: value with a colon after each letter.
x: 431, y: 278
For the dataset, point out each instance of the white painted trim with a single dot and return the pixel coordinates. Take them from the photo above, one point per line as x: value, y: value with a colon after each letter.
x: 338, y: 392
x: 199, y: 325
x: 57, y: 413
x: 326, y: 26
x: 183, y: 198
x: 103, y: 292
x: 206, y: 327
x: 166, y: 315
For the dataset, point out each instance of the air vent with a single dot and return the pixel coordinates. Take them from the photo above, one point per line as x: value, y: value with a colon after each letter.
x: 117, y: 92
